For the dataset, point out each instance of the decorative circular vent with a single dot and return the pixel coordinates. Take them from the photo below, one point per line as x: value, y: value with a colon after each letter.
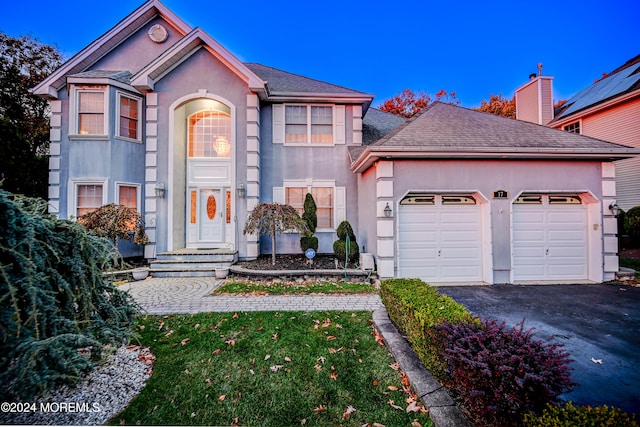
x: 158, y: 33
x: 211, y: 207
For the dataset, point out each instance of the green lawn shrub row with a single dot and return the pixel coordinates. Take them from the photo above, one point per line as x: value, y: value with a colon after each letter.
x: 416, y: 309
x: 497, y: 374
x: 570, y: 415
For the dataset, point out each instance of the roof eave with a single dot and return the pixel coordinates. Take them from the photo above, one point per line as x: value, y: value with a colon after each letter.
x: 320, y: 97
x: 372, y: 154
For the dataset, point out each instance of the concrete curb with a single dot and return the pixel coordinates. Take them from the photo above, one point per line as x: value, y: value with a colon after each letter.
x: 442, y: 409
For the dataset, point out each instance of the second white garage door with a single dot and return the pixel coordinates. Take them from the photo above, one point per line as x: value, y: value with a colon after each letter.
x: 440, y: 238
x: 549, y: 238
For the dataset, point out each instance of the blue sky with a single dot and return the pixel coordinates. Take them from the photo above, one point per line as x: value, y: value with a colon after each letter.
x: 476, y: 48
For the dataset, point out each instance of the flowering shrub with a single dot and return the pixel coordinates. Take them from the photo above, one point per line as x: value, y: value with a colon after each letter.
x: 500, y: 374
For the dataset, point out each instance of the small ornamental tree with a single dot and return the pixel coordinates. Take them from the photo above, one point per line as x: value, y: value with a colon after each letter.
x: 308, y: 240
x: 632, y: 224
x: 273, y: 219
x: 115, y: 222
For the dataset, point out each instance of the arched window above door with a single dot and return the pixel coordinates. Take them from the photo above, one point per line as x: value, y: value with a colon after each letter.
x: 209, y: 134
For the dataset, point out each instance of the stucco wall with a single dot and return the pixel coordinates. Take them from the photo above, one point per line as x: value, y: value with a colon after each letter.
x: 280, y: 162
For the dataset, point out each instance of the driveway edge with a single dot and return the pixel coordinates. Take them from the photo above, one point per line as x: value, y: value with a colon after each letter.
x: 442, y: 409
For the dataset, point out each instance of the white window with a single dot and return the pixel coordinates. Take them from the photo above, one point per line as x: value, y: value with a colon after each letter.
x: 128, y: 195
x: 129, y: 113
x: 330, y: 200
x: 89, y: 197
x: 89, y: 111
x: 308, y: 124
x: 322, y: 196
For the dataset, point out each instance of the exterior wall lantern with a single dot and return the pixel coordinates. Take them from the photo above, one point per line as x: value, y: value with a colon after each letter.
x: 387, y: 211
x: 240, y: 191
x: 160, y: 190
x: 615, y: 209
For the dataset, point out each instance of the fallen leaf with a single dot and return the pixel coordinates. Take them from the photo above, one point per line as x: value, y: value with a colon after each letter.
x: 216, y: 351
x: 598, y: 361
x: 222, y: 397
x: 196, y: 326
x: 303, y: 421
x: 331, y: 338
x: 207, y: 381
x: 333, y: 376
x: 393, y: 404
x: 392, y: 388
x: 413, y: 407
x: 321, y: 359
x: 276, y: 368
x: 415, y: 423
x: 274, y: 336
x: 378, y: 425
x: 235, y: 315
x: 395, y: 366
x: 184, y: 341
x: 326, y: 323
x: 230, y: 342
x: 252, y: 372
x: 193, y: 414
x: 287, y: 359
x: 318, y: 367
x: 267, y: 357
x: 347, y: 414
x: 235, y: 422
x: 161, y: 325
x: 320, y: 408
x: 375, y: 382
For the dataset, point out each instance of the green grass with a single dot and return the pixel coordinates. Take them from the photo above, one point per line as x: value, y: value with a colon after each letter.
x: 282, y: 288
x: 269, y: 369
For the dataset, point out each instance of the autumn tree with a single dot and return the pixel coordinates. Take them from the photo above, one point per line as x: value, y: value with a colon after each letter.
x: 24, y: 122
x: 272, y: 219
x: 499, y: 106
x: 409, y: 103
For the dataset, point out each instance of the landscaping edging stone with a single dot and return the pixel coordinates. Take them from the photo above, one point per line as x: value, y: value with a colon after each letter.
x: 292, y: 275
x: 442, y: 409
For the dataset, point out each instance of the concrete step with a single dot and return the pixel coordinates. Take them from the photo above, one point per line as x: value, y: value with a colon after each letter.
x: 186, y: 264
x: 626, y: 274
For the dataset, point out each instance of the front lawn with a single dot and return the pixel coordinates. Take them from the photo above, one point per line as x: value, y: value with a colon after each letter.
x: 281, y: 288
x: 271, y: 369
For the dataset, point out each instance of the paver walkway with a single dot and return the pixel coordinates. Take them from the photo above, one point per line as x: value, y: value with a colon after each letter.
x: 193, y: 295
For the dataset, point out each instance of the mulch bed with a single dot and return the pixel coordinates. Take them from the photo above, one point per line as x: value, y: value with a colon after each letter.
x: 630, y: 253
x: 292, y: 262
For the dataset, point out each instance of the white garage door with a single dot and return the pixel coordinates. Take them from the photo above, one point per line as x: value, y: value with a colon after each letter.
x: 549, y: 238
x: 440, y: 238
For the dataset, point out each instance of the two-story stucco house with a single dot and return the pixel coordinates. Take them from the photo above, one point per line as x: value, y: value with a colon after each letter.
x: 159, y: 116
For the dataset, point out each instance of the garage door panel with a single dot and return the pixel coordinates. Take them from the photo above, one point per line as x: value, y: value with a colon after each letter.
x: 440, y: 243
x: 554, y: 246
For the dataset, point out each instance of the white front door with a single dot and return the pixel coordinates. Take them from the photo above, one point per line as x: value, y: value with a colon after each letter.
x: 549, y: 238
x: 205, y: 217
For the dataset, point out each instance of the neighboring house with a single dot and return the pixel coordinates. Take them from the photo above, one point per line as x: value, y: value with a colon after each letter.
x: 157, y: 115
x: 609, y: 109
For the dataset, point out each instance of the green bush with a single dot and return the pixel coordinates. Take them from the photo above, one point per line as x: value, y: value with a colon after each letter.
x: 416, y: 309
x: 343, y: 231
x: 54, y: 299
x: 308, y: 242
x: 583, y: 416
x: 632, y: 224
x: 340, y: 250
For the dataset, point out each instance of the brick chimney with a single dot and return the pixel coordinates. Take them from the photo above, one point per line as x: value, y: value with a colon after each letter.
x: 534, y: 99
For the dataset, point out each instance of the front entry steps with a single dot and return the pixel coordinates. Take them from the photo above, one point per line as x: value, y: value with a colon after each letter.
x: 192, y: 262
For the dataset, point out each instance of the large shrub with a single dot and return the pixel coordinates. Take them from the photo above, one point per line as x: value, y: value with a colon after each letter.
x: 416, y: 309
x: 583, y: 416
x: 501, y: 374
x: 632, y: 224
x: 53, y: 299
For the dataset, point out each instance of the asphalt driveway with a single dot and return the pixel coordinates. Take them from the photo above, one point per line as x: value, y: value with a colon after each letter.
x: 600, y: 322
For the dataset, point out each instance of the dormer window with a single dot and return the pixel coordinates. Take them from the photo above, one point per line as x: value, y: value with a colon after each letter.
x: 573, y: 127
